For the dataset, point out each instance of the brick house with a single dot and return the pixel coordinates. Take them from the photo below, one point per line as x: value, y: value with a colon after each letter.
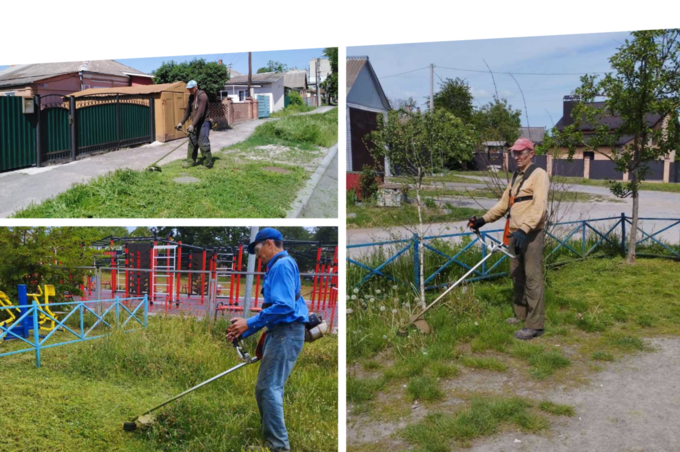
x: 28, y: 80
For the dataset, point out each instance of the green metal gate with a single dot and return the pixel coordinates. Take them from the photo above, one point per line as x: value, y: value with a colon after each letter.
x: 17, y: 135
x: 106, y: 123
x: 55, y: 129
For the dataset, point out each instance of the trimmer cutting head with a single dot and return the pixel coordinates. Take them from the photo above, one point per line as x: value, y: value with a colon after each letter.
x: 142, y: 422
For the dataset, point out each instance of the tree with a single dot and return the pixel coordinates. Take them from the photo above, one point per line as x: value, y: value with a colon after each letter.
x: 273, y: 66
x: 330, y: 85
x: 210, y: 76
x: 409, y: 104
x: 497, y: 121
x: 645, y: 84
x: 412, y: 141
x: 455, y: 96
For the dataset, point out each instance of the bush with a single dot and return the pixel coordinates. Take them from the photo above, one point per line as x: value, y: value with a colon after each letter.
x: 368, y: 183
x: 351, y: 197
x: 295, y: 98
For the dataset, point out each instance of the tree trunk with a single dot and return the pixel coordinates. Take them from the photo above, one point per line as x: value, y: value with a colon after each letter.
x: 633, y: 229
x: 421, y: 249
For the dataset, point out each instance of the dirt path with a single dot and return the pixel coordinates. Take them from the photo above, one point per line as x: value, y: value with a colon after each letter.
x: 633, y: 405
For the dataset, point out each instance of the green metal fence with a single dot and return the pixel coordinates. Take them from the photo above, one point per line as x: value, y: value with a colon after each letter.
x: 64, y: 128
x: 17, y: 135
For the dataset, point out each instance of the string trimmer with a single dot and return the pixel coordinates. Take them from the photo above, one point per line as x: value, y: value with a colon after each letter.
x: 417, y: 319
x: 154, y: 166
x: 146, y: 419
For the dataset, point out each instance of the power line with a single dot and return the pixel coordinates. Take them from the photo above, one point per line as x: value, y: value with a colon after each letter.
x: 403, y: 73
x: 520, y: 73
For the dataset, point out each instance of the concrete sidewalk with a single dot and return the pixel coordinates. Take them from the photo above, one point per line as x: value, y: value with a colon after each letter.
x: 18, y: 189
x: 324, y: 200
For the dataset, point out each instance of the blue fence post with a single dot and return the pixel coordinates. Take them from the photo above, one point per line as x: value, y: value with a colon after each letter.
x: 146, y: 311
x: 82, y: 320
x: 23, y: 309
x: 483, y: 254
x: 583, y: 239
x: 117, y: 302
x: 36, y: 333
x: 623, y: 232
x: 416, y: 260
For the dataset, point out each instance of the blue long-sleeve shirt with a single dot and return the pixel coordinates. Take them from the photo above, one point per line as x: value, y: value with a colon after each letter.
x: 281, y: 284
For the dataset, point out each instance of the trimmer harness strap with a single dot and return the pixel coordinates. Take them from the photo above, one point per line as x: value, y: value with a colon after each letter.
x: 513, y: 199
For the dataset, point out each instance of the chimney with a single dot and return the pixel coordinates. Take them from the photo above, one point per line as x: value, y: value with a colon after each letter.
x: 219, y: 62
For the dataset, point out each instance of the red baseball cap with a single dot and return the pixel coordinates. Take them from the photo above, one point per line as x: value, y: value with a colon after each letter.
x: 522, y: 144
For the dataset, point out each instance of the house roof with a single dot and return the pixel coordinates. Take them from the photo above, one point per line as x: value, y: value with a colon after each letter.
x: 260, y: 79
x: 295, y: 79
x: 177, y: 87
x: 612, y: 120
x: 233, y: 73
x: 23, y: 74
x: 354, y: 66
x: 535, y: 134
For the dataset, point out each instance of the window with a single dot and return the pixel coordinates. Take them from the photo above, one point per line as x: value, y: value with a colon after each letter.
x: 241, y: 96
x: 10, y: 93
x: 590, y: 155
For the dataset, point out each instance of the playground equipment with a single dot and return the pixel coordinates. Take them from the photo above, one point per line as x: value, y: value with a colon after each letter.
x: 417, y: 319
x: 46, y: 319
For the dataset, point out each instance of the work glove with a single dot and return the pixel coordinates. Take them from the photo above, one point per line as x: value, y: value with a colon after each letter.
x: 190, y: 129
x: 179, y: 126
x: 475, y: 223
x: 520, y: 239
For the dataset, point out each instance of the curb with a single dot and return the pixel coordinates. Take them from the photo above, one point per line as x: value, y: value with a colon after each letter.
x: 306, y: 193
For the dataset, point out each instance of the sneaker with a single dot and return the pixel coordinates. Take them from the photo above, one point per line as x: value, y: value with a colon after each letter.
x: 526, y: 334
x: 513, y: 321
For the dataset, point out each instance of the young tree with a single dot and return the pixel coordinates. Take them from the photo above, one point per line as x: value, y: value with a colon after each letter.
x: 411, y: 141
x: 644, y: 87
x: 455, y: 96
x: 273, y: 66
x: 497, y: 121
x: 210, y: 76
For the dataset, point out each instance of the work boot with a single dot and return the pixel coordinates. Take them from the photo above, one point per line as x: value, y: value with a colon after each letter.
x: 208, y: 162
x: 189, y: 163
x: 513, y: 321
x: 526, y: 334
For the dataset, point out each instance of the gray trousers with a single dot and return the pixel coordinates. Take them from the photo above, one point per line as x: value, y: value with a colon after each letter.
x: 526, y: 272
x: 200, y: 139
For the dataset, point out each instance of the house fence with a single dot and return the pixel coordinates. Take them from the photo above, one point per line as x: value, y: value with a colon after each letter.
x: 55, y: 128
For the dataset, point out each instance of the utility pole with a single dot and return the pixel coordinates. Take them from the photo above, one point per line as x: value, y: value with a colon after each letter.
x: 318, y: 84
x: 249, y: 277
x: 250, y: 73
x: 431, y: 87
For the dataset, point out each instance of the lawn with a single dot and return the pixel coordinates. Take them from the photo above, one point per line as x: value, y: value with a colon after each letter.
x: 234, y: 188
x: 80, y: 397
x: 292, y: 110
x: 371, y: 216
x: 598, y: 310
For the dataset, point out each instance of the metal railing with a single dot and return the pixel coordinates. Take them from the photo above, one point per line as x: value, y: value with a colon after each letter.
x: 112, y: 315
x: 580, y: 239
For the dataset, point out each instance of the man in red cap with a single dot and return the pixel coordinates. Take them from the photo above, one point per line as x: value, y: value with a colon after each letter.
x: 525, y: 204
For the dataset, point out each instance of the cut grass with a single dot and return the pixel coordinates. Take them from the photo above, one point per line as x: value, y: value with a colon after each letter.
x: 477, y: 362
x: 84, y: 392
x: 232, y: 189
x: 556, y: 409
x: 371, y: 216
x: 424, y: 388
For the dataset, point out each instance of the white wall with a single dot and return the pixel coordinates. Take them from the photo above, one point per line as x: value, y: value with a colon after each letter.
x: 275, y: 91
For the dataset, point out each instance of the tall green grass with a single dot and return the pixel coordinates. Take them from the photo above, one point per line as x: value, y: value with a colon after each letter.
x: 319, y: 130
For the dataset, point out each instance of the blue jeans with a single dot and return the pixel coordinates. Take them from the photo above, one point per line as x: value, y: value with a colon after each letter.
x: 281, y: 349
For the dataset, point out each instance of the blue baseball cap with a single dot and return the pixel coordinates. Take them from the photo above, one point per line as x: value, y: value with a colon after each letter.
x: 191, y: 84
x: 262, y: 235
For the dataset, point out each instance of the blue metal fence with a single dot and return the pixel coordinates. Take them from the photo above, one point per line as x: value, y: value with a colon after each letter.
x: 575, y: 241
x: 116, y: 315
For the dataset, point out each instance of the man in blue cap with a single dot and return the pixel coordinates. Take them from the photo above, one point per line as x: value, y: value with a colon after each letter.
x: 199, y: 129
x: 284, y: 313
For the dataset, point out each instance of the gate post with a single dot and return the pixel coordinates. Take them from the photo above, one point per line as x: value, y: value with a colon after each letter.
x: 72, y: 124
x: 416, y: 260
x: 623, y: 232
x: 152, y: 119
x: 117, y: 121
x: 38, y: 147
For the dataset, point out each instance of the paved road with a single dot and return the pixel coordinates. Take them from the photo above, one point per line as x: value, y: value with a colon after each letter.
x: 653, y: 204
x: 18, y: 189
x: 324, y: 201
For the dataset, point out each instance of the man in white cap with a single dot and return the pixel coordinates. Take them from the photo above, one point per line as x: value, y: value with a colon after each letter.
x: 525, y: 203
x: 199, y: 129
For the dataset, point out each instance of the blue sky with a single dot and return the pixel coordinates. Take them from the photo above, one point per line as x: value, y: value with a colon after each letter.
x: 566, y: 54
x: 293, y: 58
